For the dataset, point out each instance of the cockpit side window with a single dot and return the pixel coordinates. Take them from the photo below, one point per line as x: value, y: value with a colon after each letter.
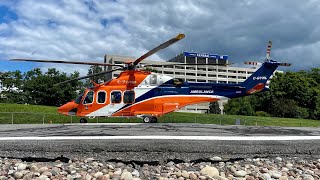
x: 116, y: 97
x: 177, y: 81
x: 89, y: 98
x: 79, y: 98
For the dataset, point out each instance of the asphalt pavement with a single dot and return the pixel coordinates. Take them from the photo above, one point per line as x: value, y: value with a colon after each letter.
x: 142, y: 147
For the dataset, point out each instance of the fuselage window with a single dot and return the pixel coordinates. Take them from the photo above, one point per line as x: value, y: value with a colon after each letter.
x: 89, y: 98
x: 101, y: 97
x: 116, y: 97
x: 128, y: 97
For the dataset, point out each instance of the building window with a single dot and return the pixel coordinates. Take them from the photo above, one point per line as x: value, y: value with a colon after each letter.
x: 115, y: 96
x: 101, y: 97
x: 128, y: 97
x: 89, y: 98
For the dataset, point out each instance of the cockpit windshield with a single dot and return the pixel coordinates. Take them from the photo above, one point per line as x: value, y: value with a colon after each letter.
x: 79, y: 98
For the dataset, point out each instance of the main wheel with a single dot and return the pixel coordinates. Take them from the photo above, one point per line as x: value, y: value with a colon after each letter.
x: 147, y: 119
x: 83, y: 120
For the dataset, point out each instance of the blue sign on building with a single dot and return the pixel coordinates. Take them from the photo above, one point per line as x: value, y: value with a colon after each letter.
x: 204, y: 55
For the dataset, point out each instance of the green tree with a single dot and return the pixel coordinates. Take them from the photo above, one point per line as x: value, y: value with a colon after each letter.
x: 12, y: 83
x: 97, y: 79
x: 40, y: 89
x: 214, y: 108
x: 239, y: 106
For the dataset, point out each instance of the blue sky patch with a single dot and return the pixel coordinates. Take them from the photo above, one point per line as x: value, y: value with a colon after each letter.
x: 6, y: 15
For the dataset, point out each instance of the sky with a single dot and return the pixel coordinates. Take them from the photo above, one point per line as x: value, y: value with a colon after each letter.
x: 87, y: 29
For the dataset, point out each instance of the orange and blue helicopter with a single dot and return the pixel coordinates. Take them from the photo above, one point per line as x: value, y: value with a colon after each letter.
x: 149, y: 95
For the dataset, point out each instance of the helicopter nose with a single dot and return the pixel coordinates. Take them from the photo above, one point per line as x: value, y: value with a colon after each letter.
x: 69, y: 108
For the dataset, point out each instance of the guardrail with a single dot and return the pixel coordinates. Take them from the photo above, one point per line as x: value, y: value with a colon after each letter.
x: 52, y: 118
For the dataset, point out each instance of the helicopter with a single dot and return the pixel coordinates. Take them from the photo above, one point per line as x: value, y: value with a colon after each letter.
x: 149, y: 95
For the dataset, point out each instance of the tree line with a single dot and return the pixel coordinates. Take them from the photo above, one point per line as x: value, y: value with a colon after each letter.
x: 291, y: 94
x: 37, y: 87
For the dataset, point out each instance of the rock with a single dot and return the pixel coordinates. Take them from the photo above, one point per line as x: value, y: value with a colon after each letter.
x: 104, y: 171
x: 308, y: 172
x: 216, y: 158
x: 126, y: 176
x: 135, y: 173
x: 10, y: 172
x: 283, y: 178
x: 95, y: 164
x: 28, y: 176
x: 278, y: 159
x: 210, y: 171
x: 250, y: 178
x: 21, y: 166
x: 104, y: 177
x: 34, y: 168
x: 289, y: 166
x: 88, y: 160
x: 60, y: 165
x: 3, y: 178
x: 192, y: 176
x: 88, y: 177
x: 43, y: 177
x: 307, y: 177
x: 232, y: 169
x: 284, y: 169
x: 135, y: 178
x: 169, y: 164
x: 264, y: 170
x: 178, y: 173
x: 47, y: 173
x: 110, y: 166
x: 117, y: 173
x: 43, y: 169
x: 240, y: 173
x: 275, y: 174
x: 97, y: 174
x: 18, y: 175
x: 185, y: 174
x: 266, y: 176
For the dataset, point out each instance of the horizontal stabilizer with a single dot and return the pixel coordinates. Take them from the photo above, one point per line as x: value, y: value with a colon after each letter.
x: 284, y: 64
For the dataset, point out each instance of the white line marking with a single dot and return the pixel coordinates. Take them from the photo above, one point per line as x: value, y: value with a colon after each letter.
x: 104, y: 124
x: 197, y: 138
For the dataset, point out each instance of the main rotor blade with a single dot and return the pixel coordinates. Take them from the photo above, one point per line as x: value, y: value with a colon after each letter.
x: 66, y: 62
x: 161, y: 46
x: 187, y: 64
x: 84, y: 77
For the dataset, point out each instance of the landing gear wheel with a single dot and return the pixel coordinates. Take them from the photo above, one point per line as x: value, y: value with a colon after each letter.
x: 83, y: 120
x: 147, y: 119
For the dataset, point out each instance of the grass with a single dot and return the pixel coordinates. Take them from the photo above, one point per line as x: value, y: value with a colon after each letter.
x: 31, y: 114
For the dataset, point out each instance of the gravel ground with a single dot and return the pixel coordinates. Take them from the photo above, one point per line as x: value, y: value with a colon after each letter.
x: 218, y: 168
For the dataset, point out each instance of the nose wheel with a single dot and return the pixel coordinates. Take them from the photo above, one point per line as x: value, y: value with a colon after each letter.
x: 150, y: 119
x: 83, y: 120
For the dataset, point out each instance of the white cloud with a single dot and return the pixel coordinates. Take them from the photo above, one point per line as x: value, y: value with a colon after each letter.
x: 86, y: 30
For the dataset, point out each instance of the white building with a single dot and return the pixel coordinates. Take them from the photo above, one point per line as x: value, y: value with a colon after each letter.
x: 191, y: 73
